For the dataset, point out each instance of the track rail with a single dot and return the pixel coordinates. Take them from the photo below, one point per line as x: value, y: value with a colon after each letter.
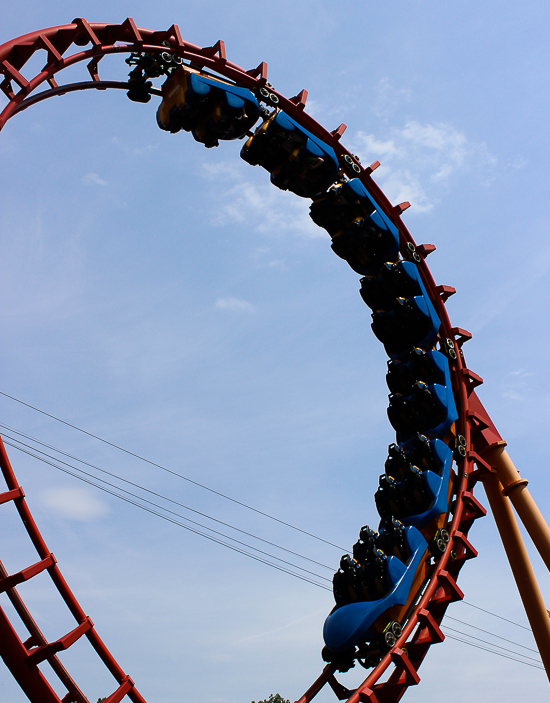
x: 90, y: 44
x: 23, y: 658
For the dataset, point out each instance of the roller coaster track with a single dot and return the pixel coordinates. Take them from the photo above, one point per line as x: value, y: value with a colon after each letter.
x: 400, y: 665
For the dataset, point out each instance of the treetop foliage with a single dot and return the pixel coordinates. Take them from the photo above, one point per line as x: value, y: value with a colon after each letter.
x: 273, y: 698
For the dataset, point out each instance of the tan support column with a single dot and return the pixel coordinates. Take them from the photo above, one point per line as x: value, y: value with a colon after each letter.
x: 515, y: 487
x: 521, y: 566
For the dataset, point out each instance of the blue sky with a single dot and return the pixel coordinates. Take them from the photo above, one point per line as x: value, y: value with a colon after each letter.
x: 167, y: 298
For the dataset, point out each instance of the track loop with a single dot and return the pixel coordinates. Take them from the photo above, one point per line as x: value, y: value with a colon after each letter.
x: 472, y: 430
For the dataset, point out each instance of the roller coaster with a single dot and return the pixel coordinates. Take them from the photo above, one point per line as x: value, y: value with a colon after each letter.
x: 392, y: 591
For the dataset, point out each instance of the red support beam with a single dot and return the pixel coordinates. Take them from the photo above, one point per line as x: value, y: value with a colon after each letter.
x: 46, y: 651
x: 11, y: 495
x: 26, y: 574
x: 30, y: 679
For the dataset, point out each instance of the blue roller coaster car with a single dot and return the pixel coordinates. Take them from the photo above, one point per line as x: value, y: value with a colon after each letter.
x: 416, y: 496
x: 420, y: 452
x: 403, y: 316
x: 362, y: 234
x: 422, y: 406
x: 380, y: 289
x: 296, y: 159
x: 415, y: 365
x: 352, y: 624
x: 437, y: 485
x: 208, y: 108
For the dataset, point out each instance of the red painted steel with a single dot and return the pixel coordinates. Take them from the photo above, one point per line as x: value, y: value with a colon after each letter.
x: 22, y: 658
x: 14, y: 654
x: 422, y: 629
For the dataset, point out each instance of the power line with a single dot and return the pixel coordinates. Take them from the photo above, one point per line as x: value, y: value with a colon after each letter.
x: 272, y: 556
x: 495, y: 615
x: 252, y: 556
x: 271, y: 517
x: 492, y: 644
x: 218, y: 541
x: 194, y: 522
x: 174, y: 473
x: 159, y: 495
x: 486, y: 649
x: 147, y: 490
x: 487, y: 632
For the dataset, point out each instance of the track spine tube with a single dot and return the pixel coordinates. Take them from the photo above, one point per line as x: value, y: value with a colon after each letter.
x: 515, y: 488
x: 520, y: 565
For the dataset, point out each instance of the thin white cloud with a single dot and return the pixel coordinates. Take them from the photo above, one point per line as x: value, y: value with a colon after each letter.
x: 513, y: 394
x: 268, y: 634
x: 223, y: 169
x: 522, y: 373
x: 401, y: 184
x: 147, y: 149
x: 388, y: 98
x: 442, y: 137
x: 419, y: 161
x: 267, y: 209
x: 278, y: 264
x: 234, y: 304
x: 262, y: 258
x: 378, y: 147
x: 92, y: 179
x: 315, y: 108
x: 518, y: 388
x: 74, y: 504
x: 263, y: 207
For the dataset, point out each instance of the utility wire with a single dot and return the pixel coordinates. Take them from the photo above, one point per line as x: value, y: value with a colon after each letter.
x: 175, y: 522
x: 60, y: 468
x: 252, y: 556
x: 159, y: 495
x: 487, y: 632
x: 477, y: 646
x: 492, y: 644
x: 218, y: 541
x: 174, y: 473
x: 147, y: 490
x: 152, y: 463
x: 240, y: 551
x: 495, y: 615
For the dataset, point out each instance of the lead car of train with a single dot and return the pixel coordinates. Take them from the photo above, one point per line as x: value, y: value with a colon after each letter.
x: 375, y: 587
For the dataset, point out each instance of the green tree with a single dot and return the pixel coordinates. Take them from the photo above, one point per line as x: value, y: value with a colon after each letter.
x: 274, y: 698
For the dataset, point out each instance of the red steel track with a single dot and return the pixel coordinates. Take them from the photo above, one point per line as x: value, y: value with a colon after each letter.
x: 399, y: 667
